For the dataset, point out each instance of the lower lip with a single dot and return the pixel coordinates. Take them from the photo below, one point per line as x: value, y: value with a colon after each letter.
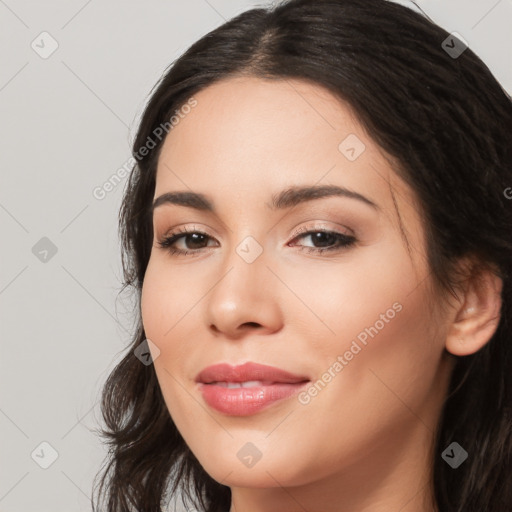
x: 246, y: 401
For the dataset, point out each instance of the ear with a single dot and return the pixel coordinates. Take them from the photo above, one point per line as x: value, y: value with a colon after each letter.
x: 478, y: 314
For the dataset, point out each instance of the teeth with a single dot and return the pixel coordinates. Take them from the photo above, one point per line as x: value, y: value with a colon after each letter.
x: 234, y: 385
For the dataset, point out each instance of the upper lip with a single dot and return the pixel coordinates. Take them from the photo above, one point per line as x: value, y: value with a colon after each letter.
x: 250, y: 371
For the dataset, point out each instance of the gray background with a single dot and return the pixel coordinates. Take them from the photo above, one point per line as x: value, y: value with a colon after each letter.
x: 67, y: 122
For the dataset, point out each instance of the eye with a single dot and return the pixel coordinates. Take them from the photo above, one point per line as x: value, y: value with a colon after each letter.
x: 328, y: 240
x: 193, y: 236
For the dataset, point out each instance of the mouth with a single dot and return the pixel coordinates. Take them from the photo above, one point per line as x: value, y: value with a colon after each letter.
x: 248, y: 388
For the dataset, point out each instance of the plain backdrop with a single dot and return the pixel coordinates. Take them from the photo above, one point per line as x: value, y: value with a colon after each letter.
x: 67, y: 121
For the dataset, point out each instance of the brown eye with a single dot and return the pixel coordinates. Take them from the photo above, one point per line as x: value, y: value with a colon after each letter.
x: 195, y: 240
x: 328, y: 240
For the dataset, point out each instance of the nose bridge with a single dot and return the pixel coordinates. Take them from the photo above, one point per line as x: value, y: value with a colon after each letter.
x: 248, y: 240
x: 245, y: 269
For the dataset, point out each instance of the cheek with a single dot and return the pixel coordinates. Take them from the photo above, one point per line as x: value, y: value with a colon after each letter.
x: 169, y: 308
x: 152, y: 298
x: 162, y: 299
x: 370, y: 311
x: 156, y: 298
x: 164, y: 304
x: 386, y: 355
x: 337, y: 300
x: 369, y: 396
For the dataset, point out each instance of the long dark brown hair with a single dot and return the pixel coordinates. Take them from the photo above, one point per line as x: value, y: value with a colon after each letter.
x: 447, y: 122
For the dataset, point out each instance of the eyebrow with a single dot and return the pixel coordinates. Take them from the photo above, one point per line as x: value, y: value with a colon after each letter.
x: 287, y: 198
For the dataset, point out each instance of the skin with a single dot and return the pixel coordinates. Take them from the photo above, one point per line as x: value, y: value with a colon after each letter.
x: 363, y: 443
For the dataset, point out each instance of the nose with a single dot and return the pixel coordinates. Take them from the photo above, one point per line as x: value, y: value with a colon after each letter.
x: 244, y: 299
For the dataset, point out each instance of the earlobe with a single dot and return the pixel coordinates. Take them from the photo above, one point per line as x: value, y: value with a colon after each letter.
x: 478, y: 316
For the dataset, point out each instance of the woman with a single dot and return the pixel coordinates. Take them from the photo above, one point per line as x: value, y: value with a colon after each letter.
x: 319, y: 211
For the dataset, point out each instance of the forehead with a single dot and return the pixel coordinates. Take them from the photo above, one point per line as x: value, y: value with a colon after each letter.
x: 250, y: 137
x: 251, y: 117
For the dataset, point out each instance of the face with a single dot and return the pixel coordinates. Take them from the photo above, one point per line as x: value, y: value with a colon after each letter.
x: 325, y: 287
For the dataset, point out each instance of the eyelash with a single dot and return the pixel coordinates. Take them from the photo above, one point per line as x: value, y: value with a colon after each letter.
x: 343, y: 241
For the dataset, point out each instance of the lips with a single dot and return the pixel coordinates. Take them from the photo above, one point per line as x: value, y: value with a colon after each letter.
x: 225, y: 373
x: 248, y: 388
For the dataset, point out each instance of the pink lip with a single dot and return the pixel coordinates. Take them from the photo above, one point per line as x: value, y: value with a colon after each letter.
x: 248, y: 371
x: 277, y: 385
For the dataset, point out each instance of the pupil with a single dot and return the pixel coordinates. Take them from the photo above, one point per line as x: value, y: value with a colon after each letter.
x: 317, y: 237
x: 195, y: 237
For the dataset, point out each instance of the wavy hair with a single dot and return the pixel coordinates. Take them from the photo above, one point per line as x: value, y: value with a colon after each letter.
x: 446, y: 121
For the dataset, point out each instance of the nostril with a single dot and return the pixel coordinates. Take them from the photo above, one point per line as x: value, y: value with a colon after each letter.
x: 252, y: 324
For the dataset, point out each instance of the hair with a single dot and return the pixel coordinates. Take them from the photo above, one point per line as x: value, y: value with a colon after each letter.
x: 445, y: 122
